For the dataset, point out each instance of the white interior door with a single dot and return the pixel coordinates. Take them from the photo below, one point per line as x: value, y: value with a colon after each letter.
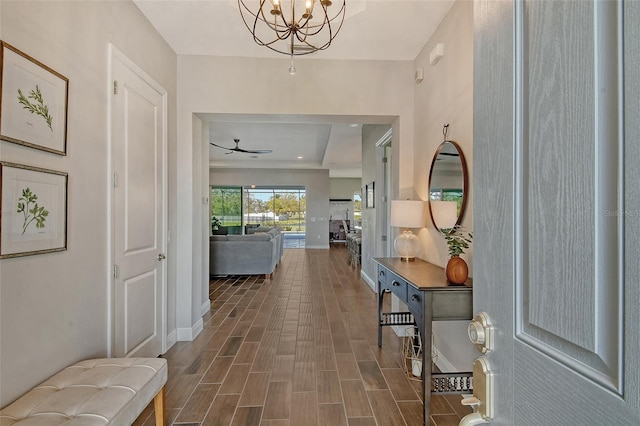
x: 557, y: 206
x: 139, y: 211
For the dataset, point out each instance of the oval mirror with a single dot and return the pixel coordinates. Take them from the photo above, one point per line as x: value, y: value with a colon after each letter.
x: 447, y: 186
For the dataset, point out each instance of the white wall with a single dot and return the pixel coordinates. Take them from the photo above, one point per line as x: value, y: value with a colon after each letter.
x: 316, y: 183
x: 446, y: 96
x: 378, y: 91
x: 53, y: 307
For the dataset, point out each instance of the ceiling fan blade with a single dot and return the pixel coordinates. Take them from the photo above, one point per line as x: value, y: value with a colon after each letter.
x: 259, y: 151
x: 244, y: 151
x: 220, y: 146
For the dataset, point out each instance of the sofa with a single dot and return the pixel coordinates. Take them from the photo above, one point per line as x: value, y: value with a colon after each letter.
x: 252, y: 254
x: 270, y: 230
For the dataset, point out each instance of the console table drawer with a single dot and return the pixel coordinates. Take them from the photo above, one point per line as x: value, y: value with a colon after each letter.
x: 382, y: 276
x: 415, y: 300
x: 397, y: 285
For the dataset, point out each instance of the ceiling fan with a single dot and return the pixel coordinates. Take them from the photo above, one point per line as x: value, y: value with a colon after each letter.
x: 246, y: 151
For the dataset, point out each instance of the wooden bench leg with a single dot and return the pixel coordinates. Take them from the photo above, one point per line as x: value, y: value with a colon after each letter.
x: 158, y: 405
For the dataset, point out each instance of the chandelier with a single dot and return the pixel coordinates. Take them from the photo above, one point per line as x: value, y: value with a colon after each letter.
x: 293, y: 27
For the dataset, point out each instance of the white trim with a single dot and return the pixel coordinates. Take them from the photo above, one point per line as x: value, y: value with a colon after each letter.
x: 197, y: 328
x: 172, y: 338
x: 206, y: 307
x: 442, y: 363
x: 385, y: 139
x: 323, y: 247
x: 188, y: 334
x: 110, y: 237
x: 368, y: 280
x: 115, y: 54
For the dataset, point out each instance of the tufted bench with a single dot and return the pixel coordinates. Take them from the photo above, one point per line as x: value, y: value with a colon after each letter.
x: 94, y: 392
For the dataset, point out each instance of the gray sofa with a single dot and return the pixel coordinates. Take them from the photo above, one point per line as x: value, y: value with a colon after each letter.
x: 252, y: 254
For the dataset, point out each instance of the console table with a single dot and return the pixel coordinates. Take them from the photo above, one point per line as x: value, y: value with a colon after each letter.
x: 423, y: 287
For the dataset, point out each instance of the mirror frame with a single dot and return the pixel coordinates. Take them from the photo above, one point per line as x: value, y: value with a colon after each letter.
x: 465, y: 183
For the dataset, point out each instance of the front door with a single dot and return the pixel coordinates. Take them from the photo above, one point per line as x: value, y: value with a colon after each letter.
x: 557, y: 208
x: 139, y: 134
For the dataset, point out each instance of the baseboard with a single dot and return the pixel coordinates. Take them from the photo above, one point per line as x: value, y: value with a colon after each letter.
x: 442, y: 363
x: 312, y: 247
x: 188, y: 334
x: 369, y: 281
x: 172, y: 338
x: 206, y: 307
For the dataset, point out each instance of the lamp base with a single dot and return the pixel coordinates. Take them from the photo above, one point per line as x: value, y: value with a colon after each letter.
x: 407, y: 245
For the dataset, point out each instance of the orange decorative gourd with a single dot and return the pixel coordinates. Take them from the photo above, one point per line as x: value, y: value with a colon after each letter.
x: 457, y: 270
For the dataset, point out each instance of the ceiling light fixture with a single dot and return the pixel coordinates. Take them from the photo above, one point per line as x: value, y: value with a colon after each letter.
x: 290, y: 26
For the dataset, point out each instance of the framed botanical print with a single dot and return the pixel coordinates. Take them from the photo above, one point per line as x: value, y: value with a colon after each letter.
x: 33, y: 102
x: 33, y: 219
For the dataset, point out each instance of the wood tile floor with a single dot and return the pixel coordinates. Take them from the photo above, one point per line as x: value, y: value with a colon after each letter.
x: 297, y: 349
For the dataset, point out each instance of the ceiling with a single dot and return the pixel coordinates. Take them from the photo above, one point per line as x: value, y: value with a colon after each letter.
x: 190, y: 26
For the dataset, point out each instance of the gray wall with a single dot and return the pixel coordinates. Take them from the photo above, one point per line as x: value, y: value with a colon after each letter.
x: 54, y: 308
x: 344, y: 187
x: 446, y: 96
x: 316, y: 183
x: 372, y: 244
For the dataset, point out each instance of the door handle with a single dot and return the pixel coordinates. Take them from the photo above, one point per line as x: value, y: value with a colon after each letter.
x: 161, y: 257
x: 482, y: 399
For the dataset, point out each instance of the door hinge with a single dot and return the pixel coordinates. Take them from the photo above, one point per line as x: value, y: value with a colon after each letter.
x: 384, y: 238
x: 115, y: 271
x: 115, y: 87
x: 385, y: 159
x: 115, y: 180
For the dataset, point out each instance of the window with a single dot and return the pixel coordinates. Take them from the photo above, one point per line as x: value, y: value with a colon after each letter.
x: 226, y: 207
x: 282, y: 207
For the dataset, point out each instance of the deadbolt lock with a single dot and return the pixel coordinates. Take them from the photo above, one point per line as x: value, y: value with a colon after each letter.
x: 480, y: 331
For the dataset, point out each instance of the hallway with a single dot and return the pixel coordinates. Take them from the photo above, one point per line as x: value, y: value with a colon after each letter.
x: 298, y: 349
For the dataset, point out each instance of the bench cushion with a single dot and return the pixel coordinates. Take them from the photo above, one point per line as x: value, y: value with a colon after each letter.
x: 96, y: 392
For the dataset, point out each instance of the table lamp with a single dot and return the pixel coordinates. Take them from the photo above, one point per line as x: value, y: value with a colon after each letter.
x: 407, y: 214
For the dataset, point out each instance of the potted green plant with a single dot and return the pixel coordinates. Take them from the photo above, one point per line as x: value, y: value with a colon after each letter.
x: 458, y: 241
x: 216, y: 227
x: 215, y: 223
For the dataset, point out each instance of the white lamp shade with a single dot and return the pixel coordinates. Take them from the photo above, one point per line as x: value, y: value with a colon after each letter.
x: 407, y: 213
x: 444, y: 213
